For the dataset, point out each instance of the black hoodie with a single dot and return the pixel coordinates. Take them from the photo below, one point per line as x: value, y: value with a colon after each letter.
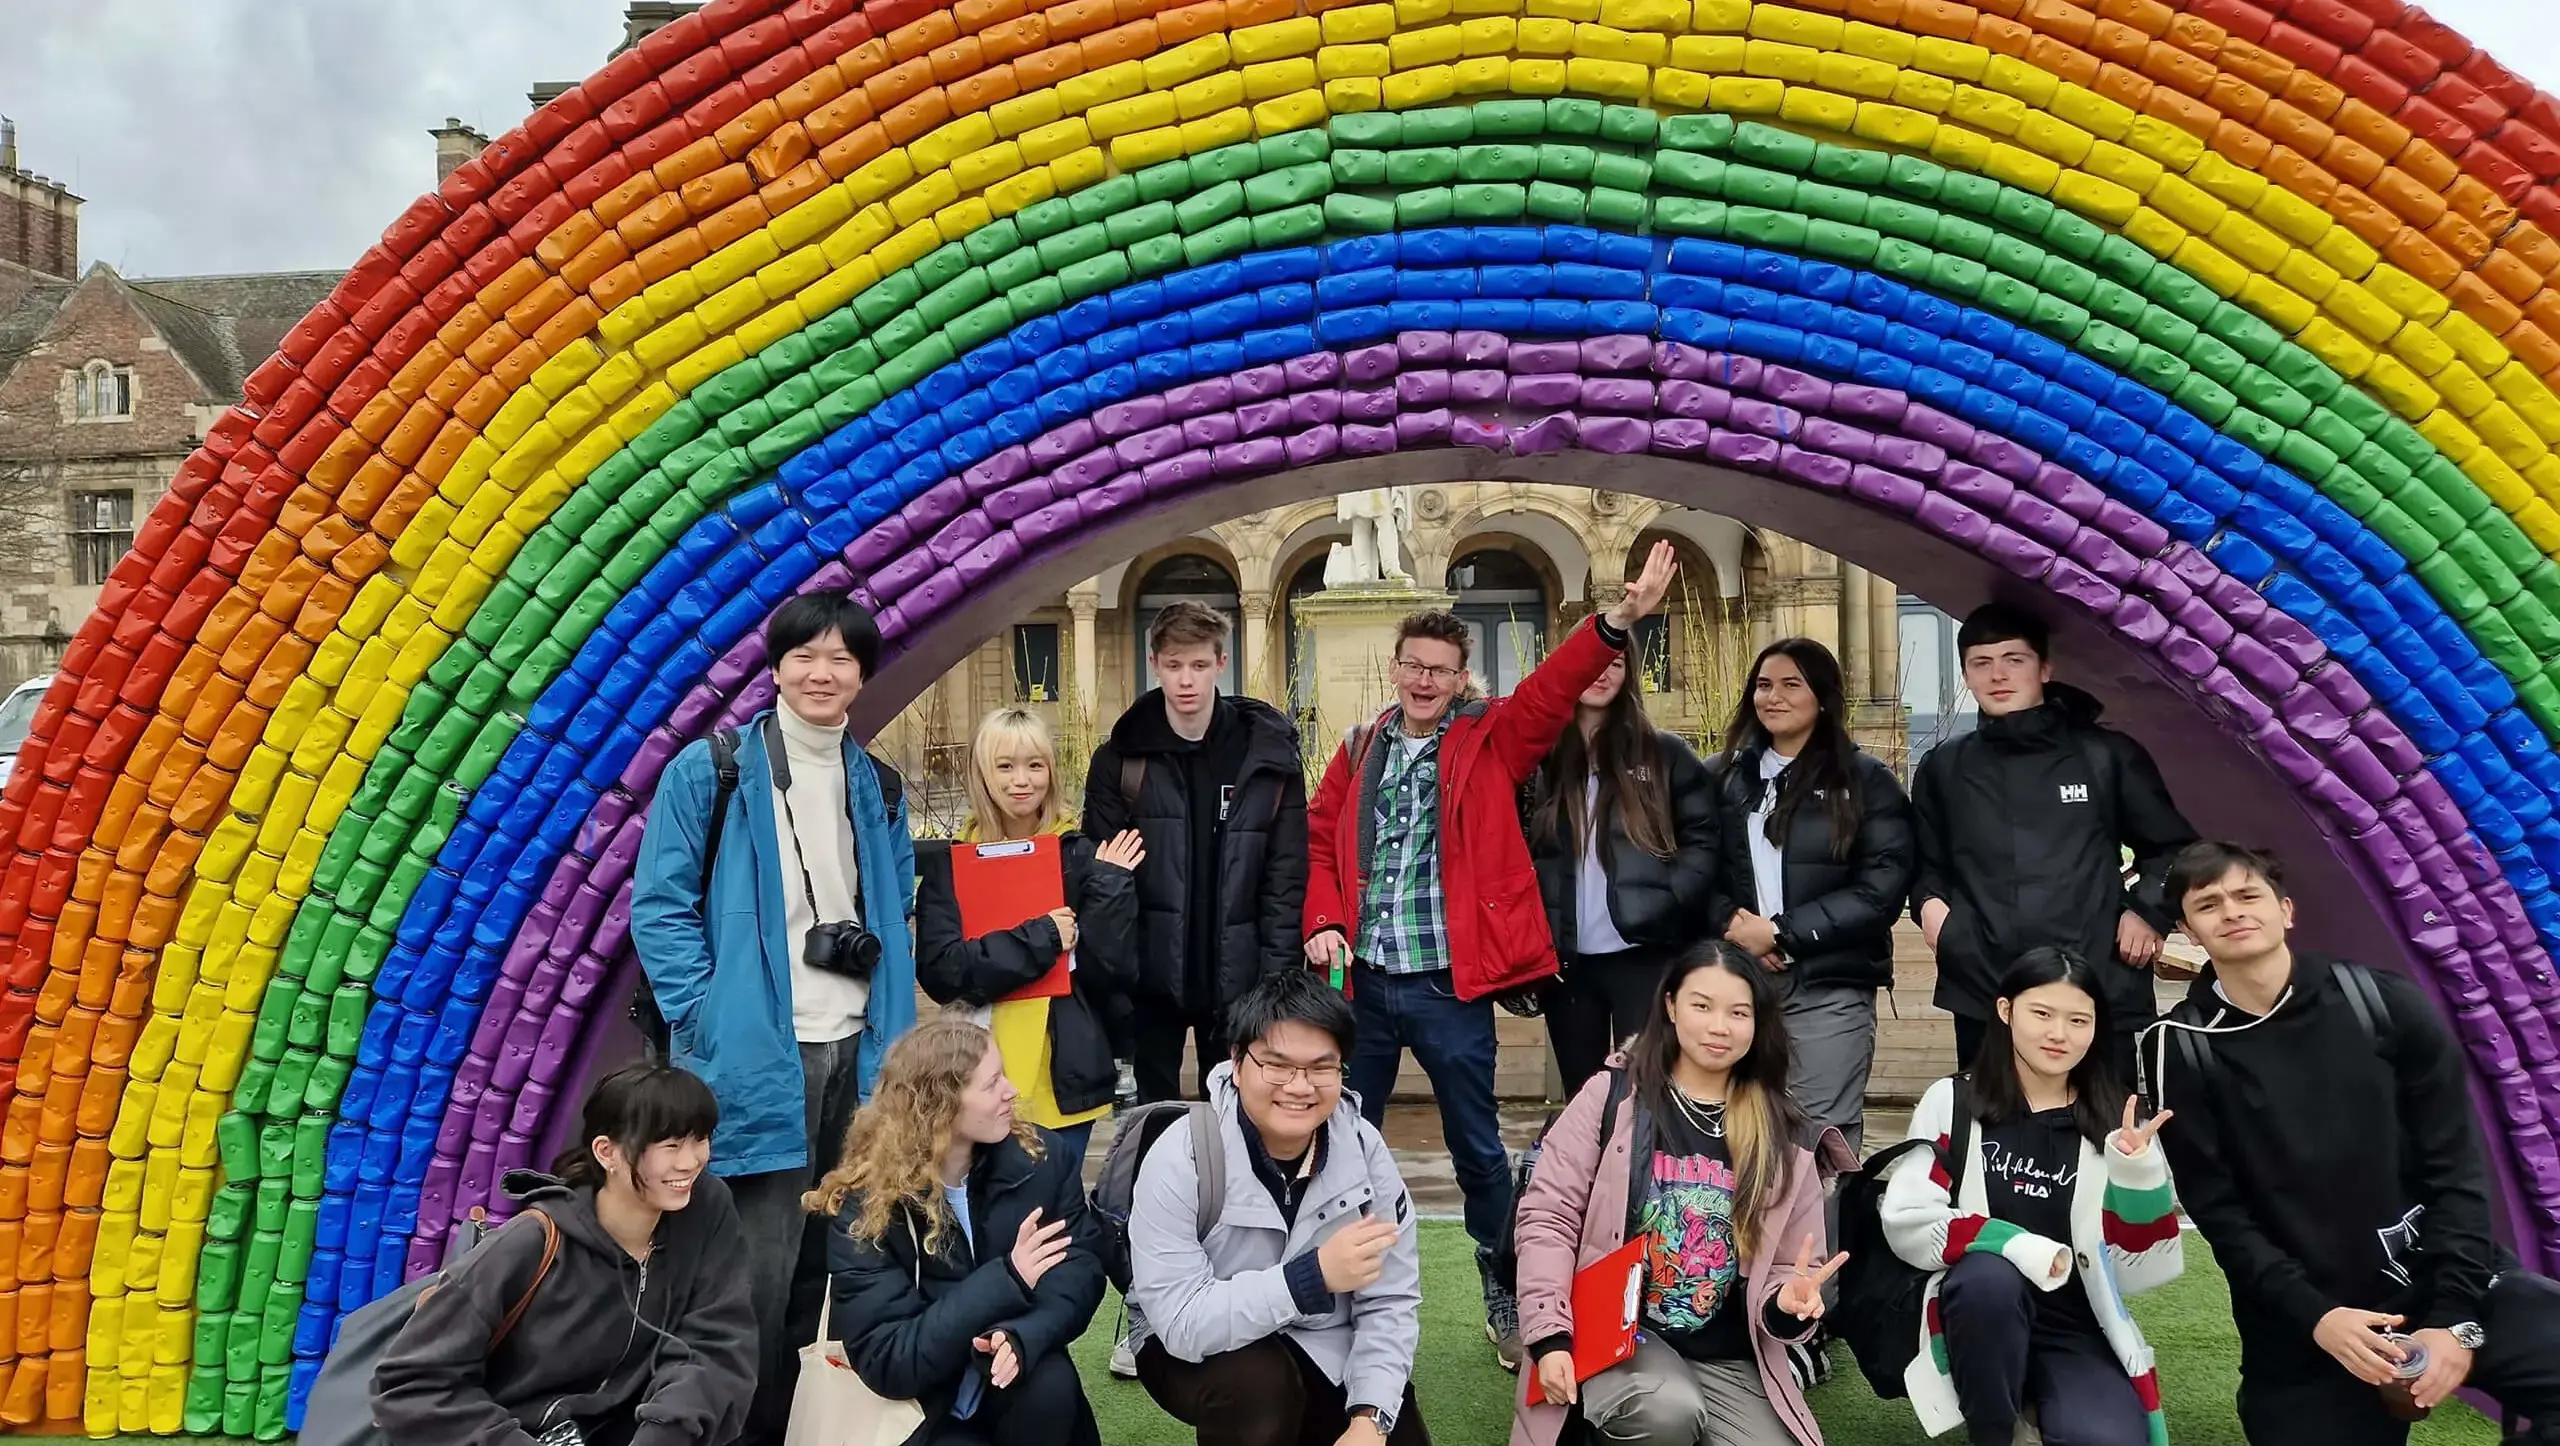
x: 1225, y: 819
x: 2305, y: 1150
x: 2020, y: 825
x: 676, y: 1337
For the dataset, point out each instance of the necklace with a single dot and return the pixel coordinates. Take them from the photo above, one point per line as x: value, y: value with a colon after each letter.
x: 1707, y: 1115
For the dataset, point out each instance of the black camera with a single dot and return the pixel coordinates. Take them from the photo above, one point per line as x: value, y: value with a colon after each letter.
x: 848, y: 950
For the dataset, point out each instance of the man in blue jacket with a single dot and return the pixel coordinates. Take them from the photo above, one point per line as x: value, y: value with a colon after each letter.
x: 769, y: 910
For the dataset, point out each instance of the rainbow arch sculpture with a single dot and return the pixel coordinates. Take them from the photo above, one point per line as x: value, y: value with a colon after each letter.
x: 2230, y: 329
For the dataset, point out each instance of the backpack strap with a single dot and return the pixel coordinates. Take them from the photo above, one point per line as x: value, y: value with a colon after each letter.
x: 1959, y: 1136
x: 724, y: 774
x: 1208, y: 1164
x: 893, y: 789
x: 550, y: 1252
x: 2364, y: 998
x: 1133, y: 777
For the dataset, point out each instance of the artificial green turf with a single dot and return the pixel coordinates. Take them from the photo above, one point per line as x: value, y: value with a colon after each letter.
x: 1467, y: 1398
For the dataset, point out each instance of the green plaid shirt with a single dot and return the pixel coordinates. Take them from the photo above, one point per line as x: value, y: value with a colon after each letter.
x: 1405, y: 928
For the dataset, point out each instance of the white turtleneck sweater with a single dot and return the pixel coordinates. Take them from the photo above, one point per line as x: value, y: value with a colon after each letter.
x: 824, y: 1007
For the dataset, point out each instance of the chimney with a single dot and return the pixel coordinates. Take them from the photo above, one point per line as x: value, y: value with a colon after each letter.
x: 456, y: 144
x: 39, y: 219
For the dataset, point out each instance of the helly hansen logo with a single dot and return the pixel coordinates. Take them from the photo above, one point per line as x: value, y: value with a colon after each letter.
x: 2075, y: 793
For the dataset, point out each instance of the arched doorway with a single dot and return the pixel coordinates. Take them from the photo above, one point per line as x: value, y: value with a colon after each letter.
x: 1187, y: 577
x: 1503, y: 602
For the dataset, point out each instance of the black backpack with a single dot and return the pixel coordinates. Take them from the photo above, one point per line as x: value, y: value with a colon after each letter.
x: 655, y: 1036
x: 1505, y: 1264
x: 1879, y: 1307
x: 1116, y: 1188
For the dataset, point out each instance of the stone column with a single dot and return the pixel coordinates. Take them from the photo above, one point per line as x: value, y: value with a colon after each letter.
x: 1261, y: 670
x: 1083, y: 600
x: 1857, y: 619
x: 1885, y: 644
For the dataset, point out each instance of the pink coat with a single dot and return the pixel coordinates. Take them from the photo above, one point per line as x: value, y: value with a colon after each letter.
x: 1575, y: 1211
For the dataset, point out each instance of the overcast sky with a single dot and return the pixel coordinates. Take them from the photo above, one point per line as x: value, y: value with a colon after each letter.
x: 268, y: 135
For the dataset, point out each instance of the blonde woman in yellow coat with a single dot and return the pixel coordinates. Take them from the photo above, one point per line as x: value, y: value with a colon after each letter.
x: 1055, y: 1050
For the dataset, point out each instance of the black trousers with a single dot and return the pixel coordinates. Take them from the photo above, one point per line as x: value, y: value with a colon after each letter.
x: 1264, y: 1394
x: 2002, y: 1362
x: 2119, y: 1044
x: 1158, y: 1029
x: 1594, y: 1005
x: 1045, y: 1406
x: 2292, y: 1391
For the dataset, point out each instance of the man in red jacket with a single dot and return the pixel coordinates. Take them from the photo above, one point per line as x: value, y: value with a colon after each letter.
x: 1420, y: 892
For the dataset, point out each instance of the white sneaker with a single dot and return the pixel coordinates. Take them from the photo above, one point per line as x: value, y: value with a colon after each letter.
x: 1124, y: 1360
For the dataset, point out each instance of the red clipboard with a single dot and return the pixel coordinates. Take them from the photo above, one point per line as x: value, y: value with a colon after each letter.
x: 1000, y: 885
x: 1608, y: 1300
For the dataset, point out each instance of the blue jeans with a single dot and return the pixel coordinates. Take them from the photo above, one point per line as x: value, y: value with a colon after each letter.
x: 1454, y: 1042
x: 1071, y: 1143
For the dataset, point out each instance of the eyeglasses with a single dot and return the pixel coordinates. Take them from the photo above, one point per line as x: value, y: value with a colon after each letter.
x: 1322, y: 1076
x: 1412, y: 669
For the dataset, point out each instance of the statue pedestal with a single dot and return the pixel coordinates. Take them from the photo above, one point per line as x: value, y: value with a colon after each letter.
x: 1351, y: 636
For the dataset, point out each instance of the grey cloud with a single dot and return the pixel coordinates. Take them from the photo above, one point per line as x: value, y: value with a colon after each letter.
x: 215, y: 136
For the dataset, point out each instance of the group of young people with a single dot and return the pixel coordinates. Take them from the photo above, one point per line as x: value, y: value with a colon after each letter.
x: 1705, y: 939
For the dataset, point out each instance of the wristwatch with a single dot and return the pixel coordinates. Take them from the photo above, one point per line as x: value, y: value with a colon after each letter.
x: 1385, y: 1421
x: 2468, y: 1335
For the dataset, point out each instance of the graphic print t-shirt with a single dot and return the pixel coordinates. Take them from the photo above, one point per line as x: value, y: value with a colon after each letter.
x: 2030, y: 1165
x: 1693, y: 1286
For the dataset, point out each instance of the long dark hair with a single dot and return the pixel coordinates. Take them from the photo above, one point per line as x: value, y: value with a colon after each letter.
x: 2097, y: 1096
x: 1626, y: 753
x: 635, y: 1107
x: 1762, y: 1122
x: 1825, y: 763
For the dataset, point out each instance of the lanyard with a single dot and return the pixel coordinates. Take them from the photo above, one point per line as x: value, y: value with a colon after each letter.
x: 777, y: 753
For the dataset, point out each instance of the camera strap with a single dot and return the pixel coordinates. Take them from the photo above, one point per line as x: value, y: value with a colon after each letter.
x: 778, y: 755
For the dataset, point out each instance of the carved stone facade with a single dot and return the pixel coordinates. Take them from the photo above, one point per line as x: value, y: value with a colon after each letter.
x: 1527, y: 560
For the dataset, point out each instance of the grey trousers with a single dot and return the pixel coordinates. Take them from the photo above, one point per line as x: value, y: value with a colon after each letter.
x: 1831, y: 1045
x: 1662, y: 1398
x: 784, y: 1253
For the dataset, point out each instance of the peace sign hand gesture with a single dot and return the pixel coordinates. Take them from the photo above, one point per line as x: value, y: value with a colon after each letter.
x: 2135, y: 1138
x: 1801, y: 1296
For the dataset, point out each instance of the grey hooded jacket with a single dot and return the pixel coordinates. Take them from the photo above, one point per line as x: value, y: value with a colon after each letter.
x: 1204, y: 1293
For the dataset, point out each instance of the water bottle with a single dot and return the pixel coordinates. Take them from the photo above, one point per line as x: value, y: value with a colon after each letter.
x: 2414, y: 1364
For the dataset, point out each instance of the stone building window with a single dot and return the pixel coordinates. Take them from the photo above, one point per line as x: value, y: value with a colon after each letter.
x: 102, y: 393
x: 1035, y: 663
x: 101, y: 534
x: 1503, y: 602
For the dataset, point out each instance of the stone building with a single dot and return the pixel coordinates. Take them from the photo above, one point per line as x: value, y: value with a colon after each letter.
x: 1524, y: 561
x: 107, y: 382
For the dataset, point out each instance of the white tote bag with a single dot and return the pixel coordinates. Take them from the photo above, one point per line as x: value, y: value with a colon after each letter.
x: 832, y: 1406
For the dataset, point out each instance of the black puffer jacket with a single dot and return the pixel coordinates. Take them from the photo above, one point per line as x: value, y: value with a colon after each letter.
x: 1837, y: 927
x: 956, y: 969
x: 907, y: 1324
x: 2021, y: 824
x: 1654, y: 902
x: 600, y: 1333
x: 1262, y: 850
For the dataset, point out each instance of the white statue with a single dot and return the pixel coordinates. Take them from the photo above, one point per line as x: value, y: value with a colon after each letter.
x: 1379, y: 519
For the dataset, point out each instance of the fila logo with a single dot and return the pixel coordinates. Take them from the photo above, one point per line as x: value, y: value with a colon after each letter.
x: 2075, y: 793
